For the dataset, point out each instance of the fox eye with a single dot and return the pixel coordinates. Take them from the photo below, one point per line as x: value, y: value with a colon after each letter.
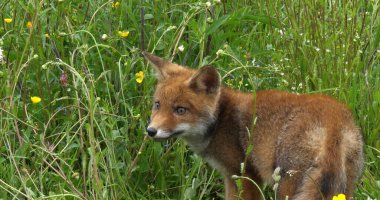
x: 156, y: 105
x: 180, y: 110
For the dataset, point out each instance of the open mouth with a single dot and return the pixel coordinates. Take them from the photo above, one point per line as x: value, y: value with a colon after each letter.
x: 176, y: 134
x: 163, y: 138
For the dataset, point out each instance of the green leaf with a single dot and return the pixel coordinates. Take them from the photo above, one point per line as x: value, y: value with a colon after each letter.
x: 148, y: 16
x: 216, y: 24
x: 376, y: 38
x: 190, y: 193
x: 376, y: 96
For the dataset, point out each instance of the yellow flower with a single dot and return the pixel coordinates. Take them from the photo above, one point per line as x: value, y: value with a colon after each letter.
x: 35, y: 99
x: 47, y: 35
x: 339, y: 197
x: 123, y: 33
x: 29, y: 24
x: 139, y: 77
x: 8, y: 20
x: 115, y: 4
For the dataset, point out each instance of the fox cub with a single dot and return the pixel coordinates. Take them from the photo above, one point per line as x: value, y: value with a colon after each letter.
x: 312, y: 139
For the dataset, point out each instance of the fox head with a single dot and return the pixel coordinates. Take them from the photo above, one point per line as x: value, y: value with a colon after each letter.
x: 185, y: 100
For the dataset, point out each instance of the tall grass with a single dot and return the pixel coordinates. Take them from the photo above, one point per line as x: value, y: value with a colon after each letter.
x: 85, y: 139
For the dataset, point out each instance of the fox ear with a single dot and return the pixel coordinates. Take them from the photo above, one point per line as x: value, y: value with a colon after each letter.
x: 158, y: 64
x: 206, y: 79
x: 162, y: 67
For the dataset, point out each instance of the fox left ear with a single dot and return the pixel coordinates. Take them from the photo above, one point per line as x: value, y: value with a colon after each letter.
x: 158, y: 63
x: 164, y: 68
x: 206, y: 79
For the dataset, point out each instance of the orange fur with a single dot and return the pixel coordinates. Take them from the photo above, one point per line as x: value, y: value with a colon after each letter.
x: 312, y: 138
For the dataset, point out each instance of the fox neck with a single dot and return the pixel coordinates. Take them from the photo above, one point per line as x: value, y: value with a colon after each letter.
x: 222, y: 143
x: 200, y: 139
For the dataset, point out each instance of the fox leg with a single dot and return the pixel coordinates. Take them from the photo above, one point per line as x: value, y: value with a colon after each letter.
x: 352, y: 177
x: 249, y: 190
x: 317, y: 184
x: 288, y: 186
x: 230, y: 192
x: 350, y: 191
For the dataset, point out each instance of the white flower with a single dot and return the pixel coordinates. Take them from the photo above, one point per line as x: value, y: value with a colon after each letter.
x: 291, y: 172
x: 217, y: 1
x: 219, y: 52
x: 104, y: 36
x: 1, y: 54
x: 254, y: 61
x: 234, y: 177
x: 328, y: 50
x: 317, y: 49
x: 208, y: 4
x: 171, y: 28
x: 276, y: 175
x: 242, y: 166
x: 275, y: 186
x: 181, y: 48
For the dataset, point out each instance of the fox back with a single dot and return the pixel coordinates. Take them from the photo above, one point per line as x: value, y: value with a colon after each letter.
x: 311, y: 139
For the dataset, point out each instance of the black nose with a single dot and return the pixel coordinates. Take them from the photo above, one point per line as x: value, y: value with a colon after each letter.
x: 151, y: 131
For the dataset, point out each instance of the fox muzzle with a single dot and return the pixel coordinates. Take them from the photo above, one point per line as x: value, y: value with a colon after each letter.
x: 151, y: 131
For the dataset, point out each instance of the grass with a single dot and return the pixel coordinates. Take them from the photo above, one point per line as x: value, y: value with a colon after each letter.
x: 85, y: 139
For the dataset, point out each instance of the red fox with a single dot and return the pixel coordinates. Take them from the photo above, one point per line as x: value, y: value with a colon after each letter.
x: 312, y: 139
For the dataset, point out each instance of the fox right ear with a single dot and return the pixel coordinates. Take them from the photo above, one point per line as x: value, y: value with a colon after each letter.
x: 207, y: 79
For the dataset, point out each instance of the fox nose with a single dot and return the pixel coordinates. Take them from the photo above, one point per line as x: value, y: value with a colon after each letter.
x: 151, y: 131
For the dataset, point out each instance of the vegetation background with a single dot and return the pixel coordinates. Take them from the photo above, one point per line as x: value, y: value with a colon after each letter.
x: 85, y: 138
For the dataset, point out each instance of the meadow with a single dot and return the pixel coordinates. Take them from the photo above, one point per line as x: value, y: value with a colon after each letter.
x: 75, y: 92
